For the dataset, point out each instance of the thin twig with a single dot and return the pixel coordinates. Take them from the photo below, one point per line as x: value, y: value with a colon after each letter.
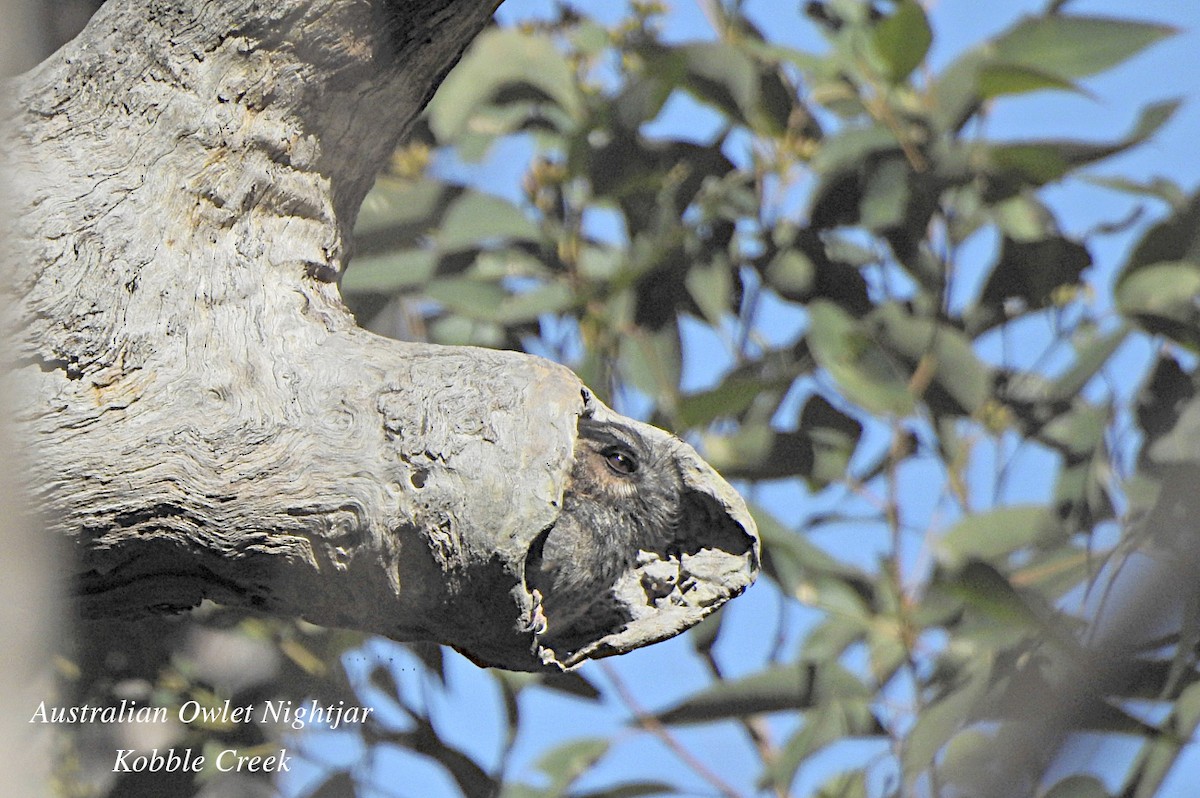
x: 652, y: 725
x: 757, y: 731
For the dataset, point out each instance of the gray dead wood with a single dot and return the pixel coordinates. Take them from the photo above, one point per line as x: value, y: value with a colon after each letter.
x: 204, y: 416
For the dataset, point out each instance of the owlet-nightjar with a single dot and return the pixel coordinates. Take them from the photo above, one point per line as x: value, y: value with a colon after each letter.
x: 623, y: 495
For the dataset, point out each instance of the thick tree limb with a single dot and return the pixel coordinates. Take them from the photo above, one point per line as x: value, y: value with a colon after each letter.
x: 206, y: 419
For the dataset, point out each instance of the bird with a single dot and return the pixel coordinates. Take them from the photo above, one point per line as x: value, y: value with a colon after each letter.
x: 624, y: 493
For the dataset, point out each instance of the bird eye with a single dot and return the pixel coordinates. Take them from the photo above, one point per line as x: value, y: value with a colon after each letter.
x: 620, y: 461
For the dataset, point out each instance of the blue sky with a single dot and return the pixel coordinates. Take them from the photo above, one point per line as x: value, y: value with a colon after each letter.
x: 468, y: 713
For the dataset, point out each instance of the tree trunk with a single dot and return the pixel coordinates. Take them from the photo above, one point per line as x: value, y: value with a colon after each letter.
x: 204, y: 417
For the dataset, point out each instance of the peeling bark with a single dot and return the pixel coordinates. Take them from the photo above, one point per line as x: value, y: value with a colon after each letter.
x: 206, y: 420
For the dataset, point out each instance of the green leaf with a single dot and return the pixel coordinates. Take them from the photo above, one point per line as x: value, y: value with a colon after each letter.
x: 996, y: 80
x: 1031, y: 271
x: 993, y: 535
x: 475, y: 218
x: 830, y: 639
x: 1073, y: 47
x: 852, y: 784
x: 805, y: 571
x: 571, y: 683
x: 1037, y: 53
x: 1162, y: 298
x: 475, y: 298
x: 864, y: 373
x: 590, y: 37
x: 703, y: 636
x: 966, y: 756
x: 1081, y: 492
x: 902, y: 40
x: 387, y: 274
x: 834, y: 437
x: 497, y: 59
x: 728, y: 399
x: 489, y: 301
x: 567, y: 762
x: 862, y: 173
x: 1169, y: 414
x: 1078, y: 787
x: 630, y: 789
x: 512, y: 789
x: 1158, y: 187
x: 784, y: 687
x: 1090, y: 356
x: 942, y: 719
x: 711, y: 288
x: 851, y: 147
x: 403, y: 207
x: 467, y: 774
x: 456, y: 330
x: 722, y: 74
x: 986, y: 591
x: 957, y: 380
x: 1158, y: 756
x: 825, y: 724
x: 885, y: 194
x: 792, y: 273
x: 1052, y: 573
x: 758, y: 452
x: 640, y: 100
x: 1024, y: 218
x: 1042, y: 162
x: 778, y: 688
x: 956, y: 92
x: 651, y: 361
x: 803, y: 268
x: 1158, y: 285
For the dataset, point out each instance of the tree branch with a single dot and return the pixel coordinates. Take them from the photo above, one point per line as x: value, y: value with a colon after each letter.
x: 206, y: 419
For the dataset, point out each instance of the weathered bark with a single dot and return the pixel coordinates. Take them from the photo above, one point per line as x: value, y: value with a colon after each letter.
x: 206, y: 419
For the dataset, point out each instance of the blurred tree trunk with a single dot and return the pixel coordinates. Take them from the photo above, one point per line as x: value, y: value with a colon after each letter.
x: 29, y: 605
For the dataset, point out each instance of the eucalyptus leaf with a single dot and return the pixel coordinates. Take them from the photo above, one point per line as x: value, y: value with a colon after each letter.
x: 499, y: 58
x: 402, y: 206
x: 834, y: 435
x: 956, y: 379
x: 630, y: 789
x: 759, y: 452
x: 996, y: 80
x: 1041, y: 162
x: 476, y: 218
x: 852, y: 784
x: 1047, y: 51
x: 1162, y: 298
x: 731, y: 397
x: 902, y: 40
x: 1073, y: 47
x: 942, y: 719
x: 1078, y: 787
x: 650, y: 361
x: 395, y: 271
x: 862, y: 370
x: 824, y: 725
x: 565, y: 763
x: 993, y: 535
x: 777, y: 688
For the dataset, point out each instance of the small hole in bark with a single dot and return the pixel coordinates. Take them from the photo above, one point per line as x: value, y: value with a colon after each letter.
x: 418, y: 477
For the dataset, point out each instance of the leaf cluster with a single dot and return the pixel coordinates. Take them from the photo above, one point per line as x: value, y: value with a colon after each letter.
x: 832, y: 279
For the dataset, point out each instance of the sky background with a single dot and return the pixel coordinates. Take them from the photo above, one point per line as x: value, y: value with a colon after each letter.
x: 469, y: 713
